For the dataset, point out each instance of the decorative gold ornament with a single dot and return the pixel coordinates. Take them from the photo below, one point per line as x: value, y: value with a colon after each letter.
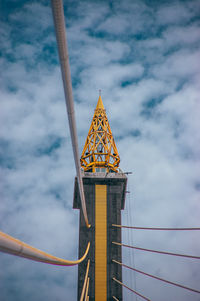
x: 100, y: 152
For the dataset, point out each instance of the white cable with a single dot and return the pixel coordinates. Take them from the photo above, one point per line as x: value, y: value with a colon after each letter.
x: 59, y: 23
x: 133, y: 253
x: 132, y: 258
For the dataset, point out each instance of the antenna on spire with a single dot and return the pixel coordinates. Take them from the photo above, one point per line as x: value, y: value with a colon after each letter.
x: 99, y: 92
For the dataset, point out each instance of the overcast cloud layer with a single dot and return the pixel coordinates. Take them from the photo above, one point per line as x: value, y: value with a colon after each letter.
x: 145, y: 56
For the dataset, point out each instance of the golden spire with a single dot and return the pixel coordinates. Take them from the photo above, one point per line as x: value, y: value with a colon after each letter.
x: 100, y: 104
x: 100, y: 152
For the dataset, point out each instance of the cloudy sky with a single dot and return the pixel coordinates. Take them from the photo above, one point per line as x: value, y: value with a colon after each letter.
x: 145, y: 56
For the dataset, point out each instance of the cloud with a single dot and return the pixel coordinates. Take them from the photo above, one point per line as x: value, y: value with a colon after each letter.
x: 175, y: 13
x: 181, y: 64
x: 188, y: 35
x: 34, y: 18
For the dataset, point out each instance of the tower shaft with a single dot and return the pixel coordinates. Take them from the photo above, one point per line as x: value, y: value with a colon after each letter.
x: 105, y: 198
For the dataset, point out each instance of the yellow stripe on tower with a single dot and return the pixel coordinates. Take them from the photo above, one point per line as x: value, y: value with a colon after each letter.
x: 100, y: 242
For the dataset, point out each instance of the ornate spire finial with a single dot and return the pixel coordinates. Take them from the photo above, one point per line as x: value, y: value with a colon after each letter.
x: 100, y: 104
x: 100, y: 152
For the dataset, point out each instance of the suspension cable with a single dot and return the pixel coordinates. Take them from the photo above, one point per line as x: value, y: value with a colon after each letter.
x: 130, y: 289
x: 155, y: 251
x: 59, y: 24
x: 11, y: 245
x: 86, y: 291
x: 155, y: 228
x: 132, y: 251
x: 158, y: 278
x: 85, y: 281
x: 115, y: 298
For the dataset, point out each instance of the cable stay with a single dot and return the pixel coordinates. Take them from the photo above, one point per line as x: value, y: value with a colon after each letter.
x: 85, y: 284
x: 130, y: 289
x: 11, y: 245
x: 59, y: 24
x: 131, y: 257
x: 87, y: 288
x: 156, y: 228
x: 115, y: 298
x: 158, y: 278
x: 155, y: 251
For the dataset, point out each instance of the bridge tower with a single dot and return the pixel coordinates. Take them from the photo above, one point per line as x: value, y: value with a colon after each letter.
x: 104, y: 187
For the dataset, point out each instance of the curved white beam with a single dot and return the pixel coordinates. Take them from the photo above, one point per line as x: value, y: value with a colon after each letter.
x: 11, y: 245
